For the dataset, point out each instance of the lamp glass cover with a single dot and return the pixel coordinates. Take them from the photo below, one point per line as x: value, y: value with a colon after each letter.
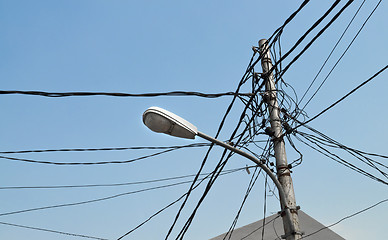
x: 162, y: 121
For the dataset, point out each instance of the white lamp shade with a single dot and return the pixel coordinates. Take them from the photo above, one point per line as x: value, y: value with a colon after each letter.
x: 162, y: 121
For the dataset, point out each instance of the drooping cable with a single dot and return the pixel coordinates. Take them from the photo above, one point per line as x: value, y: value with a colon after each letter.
x: 342, y: 98
x: 79, y: 94
x: 344, y: 52
x: 117, y: 184
x: 300, y: 40
x: 52, y: 231
x: 103, y: 198
x: 87, y: 163
x: 194, y: 145
x: 308, y: 45
x: 251, y: 184
x: 347, y: 217
x: 163, y: 209
x: 331, y: 52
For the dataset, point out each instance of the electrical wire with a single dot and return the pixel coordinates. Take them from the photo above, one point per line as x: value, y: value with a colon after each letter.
x: 251, y: 184
x: 329, y: 142
x: 300, y: 40
x: 111, y: 94
x: 331, y: 52
x: 265, y: 206
x: 308, y: 45
x: 347, y: 217
x: 340, y: 160
x: 342, y: 98
x: 104, y: 198
x: 345, y: 51
x: 119, y: 184
x: 257, y: 229
x: 169, y: 149
x: 279, y: 31
x: 86, y: 163
x: 107, y: 149
x: 52, y: 231
x: 164, y: 208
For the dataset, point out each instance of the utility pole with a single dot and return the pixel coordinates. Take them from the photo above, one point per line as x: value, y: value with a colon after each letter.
x: 283, y: 171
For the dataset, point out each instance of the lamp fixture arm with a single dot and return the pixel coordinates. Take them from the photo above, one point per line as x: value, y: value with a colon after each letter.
x: 282, y: 194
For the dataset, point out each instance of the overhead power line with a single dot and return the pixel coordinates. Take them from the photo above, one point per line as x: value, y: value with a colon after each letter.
x: 52, y: 231
x: 347, y: 217
x: 119, y: 184
x: 338, y: 159
x: 106, y: 149
x: 328, y: 57
x: 197, y: 184
x: 347, y: 95
x: 112, y: 94
x: 109, y: 197
x: 86, y: 163
x: 316, y: 37
x: 300, y: 40
x: 344, y: 52
x: 168, y: 149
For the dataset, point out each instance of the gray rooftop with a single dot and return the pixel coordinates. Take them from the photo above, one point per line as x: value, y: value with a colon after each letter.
x: 274, y: 229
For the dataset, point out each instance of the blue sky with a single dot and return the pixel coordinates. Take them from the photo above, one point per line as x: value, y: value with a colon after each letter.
x: 160, y: 46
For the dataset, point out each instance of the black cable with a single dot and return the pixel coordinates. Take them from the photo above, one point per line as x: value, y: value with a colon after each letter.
x: 90, y: 201
x: 102, y: 199
x: 117, y: 184
x: 251, y: 184
x: 265, y: 206
x: 347, y: 217
x: 169, y: 149
x: 316, y: 37
x: 331, y: 52
x: 345, y: 51
x: 73, y: 94
x: 329, y: 142
x: 325, y: 140
x: 164, y: 208
x: 299, y: 160
x: 300, y: 40
x: 340, y: 160
x: 107, y: 149
x: 86, y: 163
x: 257, y: 229
x: 278, y: 31
x: 342, y: 98
x: 52, y: 231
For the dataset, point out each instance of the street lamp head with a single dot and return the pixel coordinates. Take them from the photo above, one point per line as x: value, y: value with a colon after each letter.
x: 162, y: 121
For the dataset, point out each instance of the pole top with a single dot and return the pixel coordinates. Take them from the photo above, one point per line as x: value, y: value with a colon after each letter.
x: 263, y: 42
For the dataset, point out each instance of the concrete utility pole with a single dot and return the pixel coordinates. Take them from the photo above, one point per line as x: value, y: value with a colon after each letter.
x: 283, y: 172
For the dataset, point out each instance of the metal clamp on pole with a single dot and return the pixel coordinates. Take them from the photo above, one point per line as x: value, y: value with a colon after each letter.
x: 292, y: 234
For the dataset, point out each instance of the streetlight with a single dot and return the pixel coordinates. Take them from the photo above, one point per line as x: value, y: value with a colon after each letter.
x: 162, y: 121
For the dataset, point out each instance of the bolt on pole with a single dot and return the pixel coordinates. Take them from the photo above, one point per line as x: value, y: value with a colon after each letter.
x: 283, y: 171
